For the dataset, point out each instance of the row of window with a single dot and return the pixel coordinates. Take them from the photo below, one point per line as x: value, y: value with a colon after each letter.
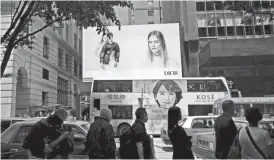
x: 230, y: 19
x: 239, y: 71
x: 126, y: 111
x: 65, y: 60
x: 77, y: 43
x: 113, y: 86
x: 219, y: 5
x: 62, y: 91
x: 192, y: 86
x: 236, y: 31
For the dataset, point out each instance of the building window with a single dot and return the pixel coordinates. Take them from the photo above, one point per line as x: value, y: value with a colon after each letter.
x: 219, y: 5
x: 150, y: 2
x: 230, y: 31
x: 240, y: 30
x: 150, y: 13
x: 44, y: 98
x: 45, y: 74
x: 209, y: 6
x: 67, y: 62
x: 249, y: 30
x: 200, y: 6
x: 67, y: 32
x: 211, y: 31
x: 221, y: 31
x: 202, y: 32
x: 258, y: 30
x: 150, y: 22
x: 268, y: 28
x: 61, y: 26
x: 75, y: 89
x: 80, y: 71
x: 60, y: 57
x: 80, y: 46
x: 46, y: 48
x: 75, y: 41
x: 62, y: 91
x: 75, y: 68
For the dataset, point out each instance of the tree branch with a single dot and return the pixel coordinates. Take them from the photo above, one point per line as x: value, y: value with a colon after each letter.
x: 16, y: 11
x: 17, y: 30
x: 39, y: 30
x: 12, y: 25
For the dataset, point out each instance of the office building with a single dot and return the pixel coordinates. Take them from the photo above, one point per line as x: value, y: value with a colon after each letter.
x: 45, y: 77
x: 219, y: 42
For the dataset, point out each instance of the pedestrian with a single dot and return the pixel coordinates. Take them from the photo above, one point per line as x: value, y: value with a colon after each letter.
x: 225, y: 130
x: 100, y: 143
x: 142, y: 139
x: 46, y: 128
x: 261, y: 137
x: 180, y: 141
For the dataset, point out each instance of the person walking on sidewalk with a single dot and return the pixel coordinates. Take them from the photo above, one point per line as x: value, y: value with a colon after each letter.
x: 179, y: 139
x: 260, y: 137
x: 100, y: 143
x: 142, y: 139
x: 225, y: 130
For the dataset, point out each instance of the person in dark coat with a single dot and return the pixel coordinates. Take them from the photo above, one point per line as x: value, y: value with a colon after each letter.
x: 179, y: 139
x: 225, y: 130
x: 35, y: 143
x: 100, y: 142
x: 142, y: 139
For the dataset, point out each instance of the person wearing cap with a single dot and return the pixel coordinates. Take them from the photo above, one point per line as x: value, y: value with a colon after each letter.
x: 142, y: 139
x: 260, y: 136
x: 46, y: 128
x: 225, y: 130
x: 100, y: 143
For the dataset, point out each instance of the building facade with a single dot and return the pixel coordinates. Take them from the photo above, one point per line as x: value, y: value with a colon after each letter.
x: 45, y: 76
x: 144, y: 12
x: 219, y: 42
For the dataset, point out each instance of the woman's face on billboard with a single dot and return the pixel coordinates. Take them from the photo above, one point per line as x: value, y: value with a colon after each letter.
x: 154, y: 44
x: 166, y: 98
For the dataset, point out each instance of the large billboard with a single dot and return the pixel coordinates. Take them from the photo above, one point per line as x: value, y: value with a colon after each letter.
x: 135, y: 51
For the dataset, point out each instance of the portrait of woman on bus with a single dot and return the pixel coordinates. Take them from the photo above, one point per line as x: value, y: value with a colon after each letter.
x: 167, y: 93
x: 158, y: 55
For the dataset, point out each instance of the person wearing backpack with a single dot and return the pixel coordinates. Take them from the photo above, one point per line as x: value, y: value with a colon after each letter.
x: 255, y: 142
x: 136, y: 143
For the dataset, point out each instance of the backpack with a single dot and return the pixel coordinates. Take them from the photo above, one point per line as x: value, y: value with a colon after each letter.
x: 128, y: 148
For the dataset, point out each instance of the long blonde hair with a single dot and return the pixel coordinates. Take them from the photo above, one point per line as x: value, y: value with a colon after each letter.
x: 161, y: 38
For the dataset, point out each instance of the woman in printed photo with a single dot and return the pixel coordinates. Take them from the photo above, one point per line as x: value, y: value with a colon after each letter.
x: 166, y: 93
x: 157, y: 54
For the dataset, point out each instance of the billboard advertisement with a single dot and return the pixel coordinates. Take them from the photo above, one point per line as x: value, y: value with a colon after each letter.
x: 135, y: 51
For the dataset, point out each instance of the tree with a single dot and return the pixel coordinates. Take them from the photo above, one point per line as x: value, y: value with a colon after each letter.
x: 251, y: 9
x: 86, y: 14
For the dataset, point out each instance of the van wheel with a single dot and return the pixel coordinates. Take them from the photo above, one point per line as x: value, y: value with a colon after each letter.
x: 122, y: 129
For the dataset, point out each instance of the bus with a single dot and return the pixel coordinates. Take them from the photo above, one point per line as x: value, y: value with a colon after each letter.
x: 195, y: 96
x: 265, y: 104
